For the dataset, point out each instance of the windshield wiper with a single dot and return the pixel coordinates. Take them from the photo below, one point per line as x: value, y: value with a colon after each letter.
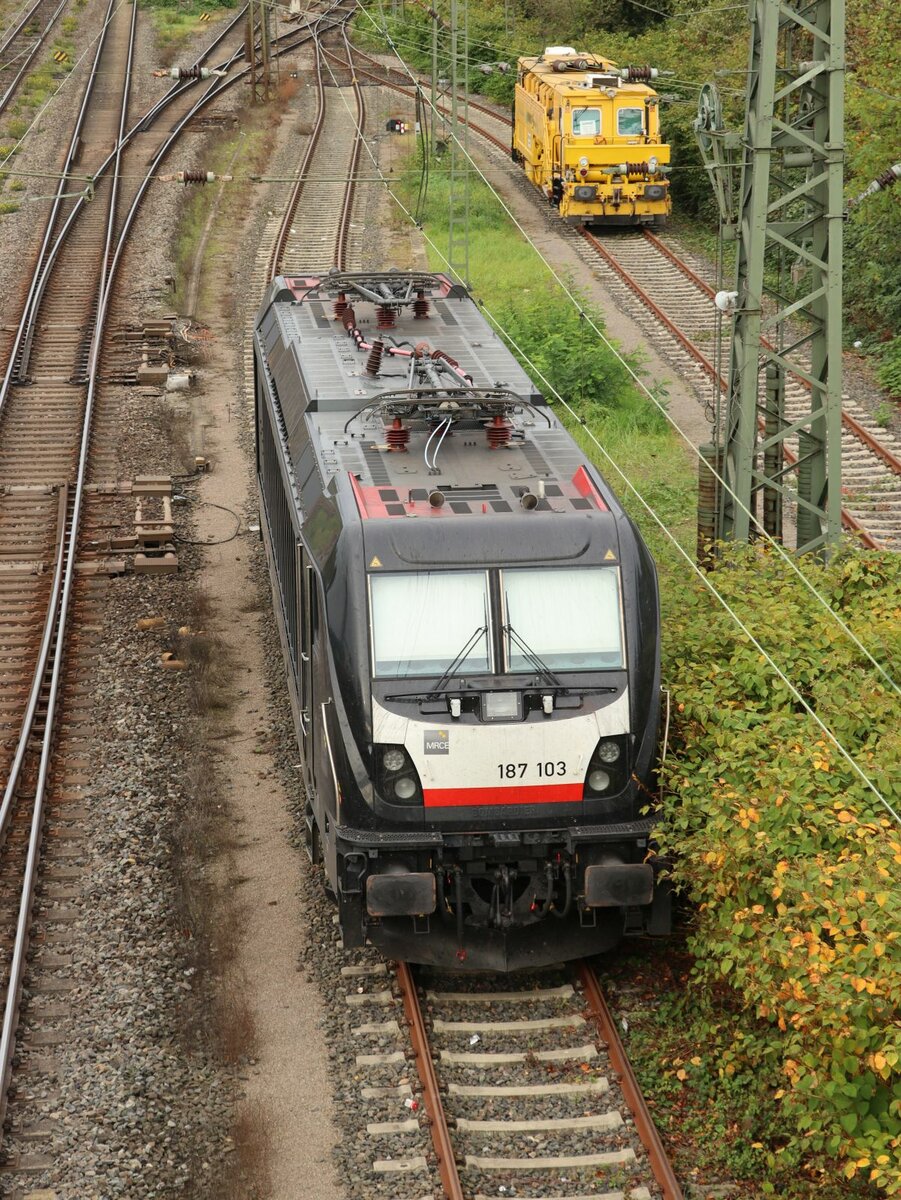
x: 532, y: 658
x: 457, y: 662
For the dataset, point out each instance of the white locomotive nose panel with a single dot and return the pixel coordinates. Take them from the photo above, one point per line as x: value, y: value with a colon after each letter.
x: 496, y: 764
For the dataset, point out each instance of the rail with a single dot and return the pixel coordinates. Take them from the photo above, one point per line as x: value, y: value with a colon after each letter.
x: 849, y: 521
x: 431, y: 1093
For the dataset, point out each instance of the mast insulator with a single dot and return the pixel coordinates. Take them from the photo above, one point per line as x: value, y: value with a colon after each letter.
x: 498, y: 433
x: 420, y: 307
x: 385, y: 316
x: 398, y: 435
x: 340, y: 305
x: 374, y: 361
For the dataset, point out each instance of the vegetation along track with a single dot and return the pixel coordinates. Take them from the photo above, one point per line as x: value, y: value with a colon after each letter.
x: 677, y: 306
x: 523, y: 1087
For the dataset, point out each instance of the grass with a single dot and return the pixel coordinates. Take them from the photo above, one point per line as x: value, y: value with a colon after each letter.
x: 173, y: 29
x: 514, y: 286
x: 883, y: 414
x: 241, y: 155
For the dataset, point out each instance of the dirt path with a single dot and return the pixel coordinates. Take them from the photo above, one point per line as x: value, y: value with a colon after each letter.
x: 285, y: 1116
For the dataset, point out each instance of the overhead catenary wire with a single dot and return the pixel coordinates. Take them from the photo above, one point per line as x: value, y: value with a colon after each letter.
x: 564, y: 286
x: 693, y: 567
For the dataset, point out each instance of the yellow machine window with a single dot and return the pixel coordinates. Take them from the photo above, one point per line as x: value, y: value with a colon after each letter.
x: 630, y: 122
x: 586, y: 122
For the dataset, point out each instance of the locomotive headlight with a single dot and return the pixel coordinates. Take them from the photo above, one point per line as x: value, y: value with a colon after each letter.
x: 598, y: 780
x: 404, y: 787
x: 653, y: 163
x: 395, y: 777
x: 608, y: 752
x: 393, y: 760
x: 583, y: 162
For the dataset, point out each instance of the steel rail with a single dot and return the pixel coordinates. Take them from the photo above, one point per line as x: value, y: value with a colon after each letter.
x: 13, y: 32
x: 50, y: 249
x: 431, y: 1093
x: 483, y: 108
x: 849, y: 521
x: 37, y: 682
x: 30, y: 54
x: 51, y: 656
x: 851, y: 423
x: 22, y: 341
x: 347, y: 207
x: 297, y: 188
x: 405, y: 90
x: 281, y: 240
x: 644, y: 1123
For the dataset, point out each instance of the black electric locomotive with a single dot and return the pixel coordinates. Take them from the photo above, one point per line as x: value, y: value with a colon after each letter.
x: 470, y: 628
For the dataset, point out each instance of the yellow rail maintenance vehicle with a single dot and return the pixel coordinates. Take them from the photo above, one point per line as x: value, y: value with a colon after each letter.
x: 587, y: 133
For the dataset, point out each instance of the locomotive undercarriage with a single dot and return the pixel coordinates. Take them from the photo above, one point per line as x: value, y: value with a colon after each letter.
x: 504, y: 910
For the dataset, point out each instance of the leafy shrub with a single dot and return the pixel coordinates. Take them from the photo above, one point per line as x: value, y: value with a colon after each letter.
x: 788, y: 854
x: 889, y: 370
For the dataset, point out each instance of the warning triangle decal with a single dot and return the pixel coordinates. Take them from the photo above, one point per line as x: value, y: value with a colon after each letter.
x: 376, y: 561
x: 609, y: 556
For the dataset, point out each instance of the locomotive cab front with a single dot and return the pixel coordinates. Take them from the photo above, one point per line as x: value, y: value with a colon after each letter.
x: 514, y: 709
x: 587, y: 133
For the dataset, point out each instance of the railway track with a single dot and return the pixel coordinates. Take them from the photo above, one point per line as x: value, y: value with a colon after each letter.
x: 325, y: 177
x: 680, y: 303
x: 522, y: 1089
x: 674, y: 304
x: 44, y: 447
x: 58, y: 427
x: 22, y: 42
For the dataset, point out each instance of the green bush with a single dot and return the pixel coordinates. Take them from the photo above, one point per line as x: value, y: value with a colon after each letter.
x: 889, y: 370
x: 788, y: 855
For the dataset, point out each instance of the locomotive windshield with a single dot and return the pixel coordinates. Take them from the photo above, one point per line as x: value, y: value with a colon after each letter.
x: 586, y: 122
x: 435, y: 622
x: 568, y: 618
x: 422, y: 623
x: 630, y: 122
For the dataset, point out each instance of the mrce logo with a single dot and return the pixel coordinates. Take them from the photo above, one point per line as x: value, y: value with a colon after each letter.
x: 437, y: 741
